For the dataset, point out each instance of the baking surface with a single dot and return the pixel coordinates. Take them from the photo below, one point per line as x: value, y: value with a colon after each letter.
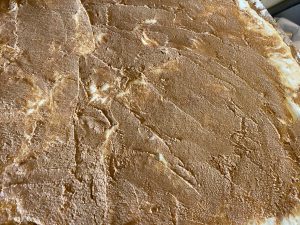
x: 146, y: 112
x: 270, y: 3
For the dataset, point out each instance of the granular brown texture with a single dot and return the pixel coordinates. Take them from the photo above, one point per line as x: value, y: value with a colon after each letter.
x: 141, y: 112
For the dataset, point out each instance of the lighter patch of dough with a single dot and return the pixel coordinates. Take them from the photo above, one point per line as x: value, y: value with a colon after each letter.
x: 279, y: 55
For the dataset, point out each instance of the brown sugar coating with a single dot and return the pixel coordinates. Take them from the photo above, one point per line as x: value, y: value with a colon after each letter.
x: 141, y: 112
